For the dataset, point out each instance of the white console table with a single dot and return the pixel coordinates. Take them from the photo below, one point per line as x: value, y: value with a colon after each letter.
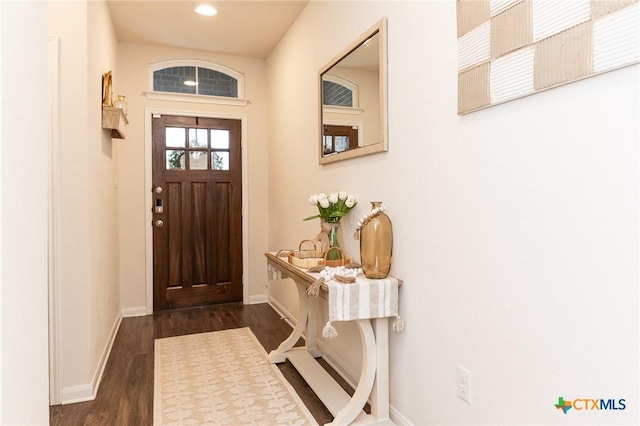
x: 374, y: 336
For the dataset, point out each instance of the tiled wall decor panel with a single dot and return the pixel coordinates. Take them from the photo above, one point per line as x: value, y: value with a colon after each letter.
x: 511, y: 29
x: 553, y: 16
x: 498, y: 6
x: 512, y: 75
x: 474, y: 47
x: 563, y: 57
x: 473, y: 90
x: 525, y: 46
x: 604, y: 7
x: 471, y: 13
x: 616, y: 39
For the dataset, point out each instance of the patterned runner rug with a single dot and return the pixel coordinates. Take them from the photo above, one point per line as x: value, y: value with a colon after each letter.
x: 221, y: 378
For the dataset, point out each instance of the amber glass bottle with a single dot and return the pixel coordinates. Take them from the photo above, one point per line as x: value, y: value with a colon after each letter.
x: 376, y: 244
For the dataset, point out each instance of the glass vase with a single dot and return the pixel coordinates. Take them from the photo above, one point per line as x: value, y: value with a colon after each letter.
x: 333, y: 241
x: 121, y: 102
x: 376, y: 244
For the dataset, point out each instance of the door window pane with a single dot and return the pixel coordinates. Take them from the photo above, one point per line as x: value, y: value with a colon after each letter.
x: 198, y: 160
x: 175, y: 159
x: 327, y: 146
x: 220, y: 160
x: 197, y: 138
x: 342, y: 143
x: 174, y: 137
x: 206, y: 149
x: 219, y: 139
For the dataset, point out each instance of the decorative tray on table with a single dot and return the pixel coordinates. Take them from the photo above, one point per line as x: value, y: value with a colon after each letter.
x: 310, y: 257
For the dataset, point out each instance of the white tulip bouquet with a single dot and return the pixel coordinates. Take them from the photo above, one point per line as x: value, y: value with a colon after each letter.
x: 332, y: 207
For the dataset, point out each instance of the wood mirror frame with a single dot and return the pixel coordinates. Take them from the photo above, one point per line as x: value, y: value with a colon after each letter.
x: 356, y: 67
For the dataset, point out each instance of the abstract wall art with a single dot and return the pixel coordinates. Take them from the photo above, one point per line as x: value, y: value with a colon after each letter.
x: 508, y: 49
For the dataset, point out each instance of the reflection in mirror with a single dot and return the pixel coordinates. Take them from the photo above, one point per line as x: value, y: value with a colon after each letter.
x: 353, y: 114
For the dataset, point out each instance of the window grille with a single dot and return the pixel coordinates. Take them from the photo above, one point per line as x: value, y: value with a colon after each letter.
x: 194, y: 77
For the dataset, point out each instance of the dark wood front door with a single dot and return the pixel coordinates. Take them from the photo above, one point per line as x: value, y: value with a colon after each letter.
x: 197, y: 211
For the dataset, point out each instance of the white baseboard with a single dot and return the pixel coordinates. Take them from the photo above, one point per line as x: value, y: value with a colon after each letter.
x: 398, y: 418
x: 259, y: 298
x: 138, y: 311
x: 88, y: 392
x: 73, y: 394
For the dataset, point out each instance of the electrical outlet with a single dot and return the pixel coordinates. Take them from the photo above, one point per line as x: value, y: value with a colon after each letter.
x: 464, y: 384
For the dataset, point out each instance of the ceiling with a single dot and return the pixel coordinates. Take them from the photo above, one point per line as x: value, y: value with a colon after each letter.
x: 244, y: 28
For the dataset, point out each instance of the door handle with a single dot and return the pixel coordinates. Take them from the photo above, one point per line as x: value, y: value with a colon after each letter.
x: 158, y: 223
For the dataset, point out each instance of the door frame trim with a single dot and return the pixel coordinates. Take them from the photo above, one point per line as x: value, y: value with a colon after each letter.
x: 54, y: 244
x: 148, y: 199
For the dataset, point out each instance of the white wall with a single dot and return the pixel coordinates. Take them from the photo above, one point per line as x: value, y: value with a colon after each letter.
x: 515, y: 227
x: 133, y: 80
x: 23, y: 214
x: 67, y: 20
x: 103, y: 199
x: 87, y: 257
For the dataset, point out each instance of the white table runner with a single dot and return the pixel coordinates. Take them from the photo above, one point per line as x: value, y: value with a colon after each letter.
x: 364, y: 299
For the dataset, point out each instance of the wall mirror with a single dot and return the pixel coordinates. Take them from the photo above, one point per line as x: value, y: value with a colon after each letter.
x: 353, y: 98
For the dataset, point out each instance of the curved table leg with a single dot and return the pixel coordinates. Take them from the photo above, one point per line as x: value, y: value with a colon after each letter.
x: 279, y: 355
x: 349, y: 413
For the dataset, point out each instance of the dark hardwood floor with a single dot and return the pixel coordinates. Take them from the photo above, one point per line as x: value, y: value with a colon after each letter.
x: 125, y: 396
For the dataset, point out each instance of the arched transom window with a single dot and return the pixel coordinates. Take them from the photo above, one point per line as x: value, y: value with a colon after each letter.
x: 339, y: 92
x: 199, y: 80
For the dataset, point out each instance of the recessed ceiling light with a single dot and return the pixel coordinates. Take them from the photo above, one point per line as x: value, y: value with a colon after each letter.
x: 206, y: 10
